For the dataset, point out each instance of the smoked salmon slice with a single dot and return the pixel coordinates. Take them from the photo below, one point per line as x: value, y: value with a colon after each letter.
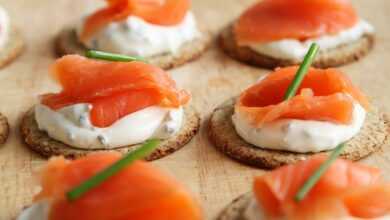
x: 115, y: 89
x: 139, y: 192
x: 159, y: 12
x: 342, y: 191
x: 273, y: 20
x: 324, y: 95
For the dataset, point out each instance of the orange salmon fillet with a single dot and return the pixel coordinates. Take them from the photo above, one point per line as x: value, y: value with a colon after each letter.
x: 346, y: 189
x: 139, y: 192
x: 324, y: 95
x: 115, y: 89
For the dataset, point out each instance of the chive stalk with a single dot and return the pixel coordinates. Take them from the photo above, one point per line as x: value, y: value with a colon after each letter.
x: 302, y: 71
x: 316, y: 176
x: 95, y: 54
x: 291, y: 92
x: 95, y: 181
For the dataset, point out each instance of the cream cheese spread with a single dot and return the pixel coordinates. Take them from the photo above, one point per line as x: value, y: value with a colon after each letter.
x: 71, y: 125
x: 299, y: 135
x: 136, y: 37
x: 38, y: 211
x: 293, y: 49
x: 4, y: 27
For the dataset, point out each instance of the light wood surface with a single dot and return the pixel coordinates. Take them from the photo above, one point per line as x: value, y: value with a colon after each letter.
x: 213, y: 178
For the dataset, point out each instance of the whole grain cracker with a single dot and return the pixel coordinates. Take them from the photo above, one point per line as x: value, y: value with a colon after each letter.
x: 373, y: 136
x: 67, y: 43
x: 341, y: 55
x: 40, y: 142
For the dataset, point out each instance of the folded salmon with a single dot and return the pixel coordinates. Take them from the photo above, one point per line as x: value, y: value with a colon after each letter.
x: 115, y: 89
x: 324, y: 95
x: 139, y: 192
x: 347, y: 189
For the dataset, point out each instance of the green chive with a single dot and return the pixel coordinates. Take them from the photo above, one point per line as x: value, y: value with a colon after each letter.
x: 99, y: 178
x: 316, y: 176
x: 112, y: 56
x: 303, y: 68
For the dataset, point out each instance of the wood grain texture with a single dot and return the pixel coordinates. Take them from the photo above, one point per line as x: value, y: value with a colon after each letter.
x: 213, y: 177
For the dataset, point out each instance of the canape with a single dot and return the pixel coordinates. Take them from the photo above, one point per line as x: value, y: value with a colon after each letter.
x: 164, y: 32
x: 11, y: 42
x: 277, y: 33
x: 108, y: 105
x: 4, y: 129
x: 346, y: 190
x: 262, y: 128
x: 139, y: 191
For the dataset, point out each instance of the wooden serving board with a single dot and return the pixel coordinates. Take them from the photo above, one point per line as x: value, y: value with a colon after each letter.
x: 213, y: 178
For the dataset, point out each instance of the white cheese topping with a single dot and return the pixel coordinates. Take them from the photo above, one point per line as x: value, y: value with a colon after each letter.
x: 72, y: 125
x: 299, y: 135
x: 295, y: 50
x: 254, y: 212
x: 38, y: 211
x: 4, y: 27
x: 136, y: 37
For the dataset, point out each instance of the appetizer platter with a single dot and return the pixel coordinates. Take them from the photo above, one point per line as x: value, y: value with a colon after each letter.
x: 278, y: 33
x: 74, y: 128
x: 294, y: 113
x: 167, y: 34
x: 109, y: 105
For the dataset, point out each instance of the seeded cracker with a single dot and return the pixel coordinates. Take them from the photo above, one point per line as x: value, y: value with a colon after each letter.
x: 67, y: 43
x: 373, y: 136
x: 41, y: 143
x: 330, y: 58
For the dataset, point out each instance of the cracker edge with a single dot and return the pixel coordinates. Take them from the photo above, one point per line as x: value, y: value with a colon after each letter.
x: 235, y: 210
x: 276, y: 158
x: 66, y: 43
x: 339, y: 56
x: 46, y: 146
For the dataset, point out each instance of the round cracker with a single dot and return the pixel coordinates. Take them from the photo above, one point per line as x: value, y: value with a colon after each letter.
x: 374, y: 134
x: 40, y: 142
x: 67, y: 43
x: 12, y: 49
x: 4, y: 129
x: 341, y: 55
x: 236, y: 209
